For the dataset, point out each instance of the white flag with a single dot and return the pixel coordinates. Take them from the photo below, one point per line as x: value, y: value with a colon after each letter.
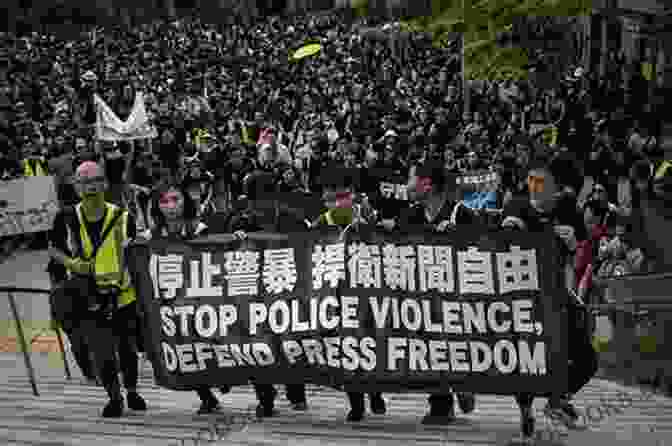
x: 110, y: 128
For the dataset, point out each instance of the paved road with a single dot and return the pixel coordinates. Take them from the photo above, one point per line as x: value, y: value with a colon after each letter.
x: 66, y: 413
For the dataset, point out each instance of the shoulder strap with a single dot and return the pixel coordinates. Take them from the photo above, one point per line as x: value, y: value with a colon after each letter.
x: 107, y: 231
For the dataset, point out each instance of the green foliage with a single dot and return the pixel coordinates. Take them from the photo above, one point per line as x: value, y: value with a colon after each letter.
x: 481, y: 21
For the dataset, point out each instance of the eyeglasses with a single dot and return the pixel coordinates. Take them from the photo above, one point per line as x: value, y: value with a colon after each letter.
x: 95, y: 181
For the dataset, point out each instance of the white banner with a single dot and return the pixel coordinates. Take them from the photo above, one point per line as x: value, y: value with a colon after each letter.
x: 110, y: 128
x: 27, y: 205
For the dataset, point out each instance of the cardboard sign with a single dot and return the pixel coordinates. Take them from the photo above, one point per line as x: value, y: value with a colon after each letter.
x: 27, y: 205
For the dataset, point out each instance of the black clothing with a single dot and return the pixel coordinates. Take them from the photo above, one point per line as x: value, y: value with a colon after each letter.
x: 103, y: 335
x: 251, y: 222
x: 114, y: 169
x: 414, y: 219
x: 583, y: 358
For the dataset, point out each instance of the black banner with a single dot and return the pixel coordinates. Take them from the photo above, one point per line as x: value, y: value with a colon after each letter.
x: 392, y: 312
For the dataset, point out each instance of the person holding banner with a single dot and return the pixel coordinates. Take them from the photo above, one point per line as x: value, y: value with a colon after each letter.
x: 258, y: 216
x: 174, y: 220
x: 338, y: 198
x: 549, y: 207
x: 437, y: 211
x: 90, y: 242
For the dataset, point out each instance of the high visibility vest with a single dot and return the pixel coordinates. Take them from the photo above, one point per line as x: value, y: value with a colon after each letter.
x: 110, y: 268
x: 661, y: 171
x: 38, y: 171
x: 329, y: 218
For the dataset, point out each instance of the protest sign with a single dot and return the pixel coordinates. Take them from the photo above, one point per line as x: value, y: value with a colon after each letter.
x: 387, y: 189
x: 468, y: 310
x: 478, y: 189
x: 27, y: 205
x: 109, y: 127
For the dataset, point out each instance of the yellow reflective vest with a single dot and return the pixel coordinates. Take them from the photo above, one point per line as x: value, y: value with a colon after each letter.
x: 110, y: 268
x: 39, y: 170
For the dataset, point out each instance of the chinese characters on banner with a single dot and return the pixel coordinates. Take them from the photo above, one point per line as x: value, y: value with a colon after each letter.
x: 394, y: 311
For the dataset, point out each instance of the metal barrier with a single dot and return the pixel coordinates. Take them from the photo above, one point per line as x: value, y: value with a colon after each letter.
x: 22, y: 338
x: 640, y: 312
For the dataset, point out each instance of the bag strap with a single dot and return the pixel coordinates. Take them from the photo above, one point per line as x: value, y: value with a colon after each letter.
x: 107, y: 231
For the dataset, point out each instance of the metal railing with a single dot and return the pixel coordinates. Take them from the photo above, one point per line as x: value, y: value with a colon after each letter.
x: 10, y: 291
x: 639, y: 311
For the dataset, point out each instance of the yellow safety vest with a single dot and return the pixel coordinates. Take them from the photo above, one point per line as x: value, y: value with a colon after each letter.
x: 39, y: 170
x: 329, y: 218
x: 109, y: 268
x: 662, y: 170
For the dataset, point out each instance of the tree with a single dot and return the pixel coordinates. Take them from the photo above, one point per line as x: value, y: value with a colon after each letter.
x: 485, y: 25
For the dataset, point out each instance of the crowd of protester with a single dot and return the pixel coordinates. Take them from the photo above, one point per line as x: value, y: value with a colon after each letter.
x: 233, y: 110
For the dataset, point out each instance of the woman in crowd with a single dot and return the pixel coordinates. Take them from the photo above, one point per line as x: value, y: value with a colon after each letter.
x: 174, y: 218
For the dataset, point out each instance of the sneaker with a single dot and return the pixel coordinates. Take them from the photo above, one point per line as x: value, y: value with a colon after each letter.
x: 301, y: 406
x: 564, y: 412
x: 378, y: 406
x: 467, y: 402
x: 355, y: 416
x: 114, y: 409
x: 135, y: 401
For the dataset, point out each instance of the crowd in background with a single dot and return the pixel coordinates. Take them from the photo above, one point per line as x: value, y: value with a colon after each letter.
x: 228, y: 102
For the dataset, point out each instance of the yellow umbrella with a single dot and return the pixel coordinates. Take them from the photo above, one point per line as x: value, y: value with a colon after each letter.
x: 307, y: 50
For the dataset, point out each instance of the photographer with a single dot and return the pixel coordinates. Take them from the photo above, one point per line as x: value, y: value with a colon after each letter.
x: 90, y: 240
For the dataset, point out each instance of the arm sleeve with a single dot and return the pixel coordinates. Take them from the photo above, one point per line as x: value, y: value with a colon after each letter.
x: 58, y: 235
x: 132, y: 227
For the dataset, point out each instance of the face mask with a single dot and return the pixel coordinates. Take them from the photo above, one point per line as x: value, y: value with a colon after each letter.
x: 424, y: 185
x: 344, y: 200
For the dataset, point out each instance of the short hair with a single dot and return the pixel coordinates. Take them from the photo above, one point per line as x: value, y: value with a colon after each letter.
x: 87, y: 168
x: 189, y: 212
x: 597, y: 208
x: 563, y: 168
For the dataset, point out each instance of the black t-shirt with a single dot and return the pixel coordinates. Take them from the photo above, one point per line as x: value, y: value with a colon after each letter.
x: 141, y: 176
x: 415, y: 217
x: 114, y: 169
